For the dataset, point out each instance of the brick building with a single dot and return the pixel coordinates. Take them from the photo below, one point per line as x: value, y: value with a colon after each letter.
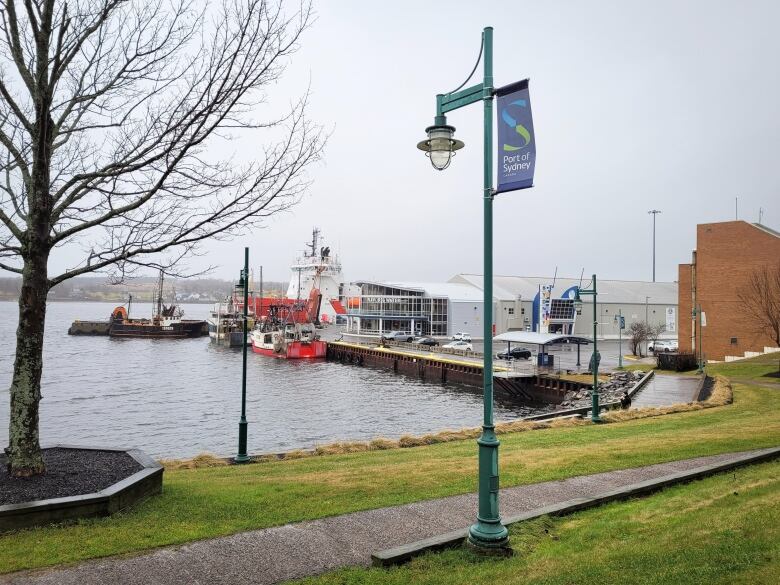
x: 726, y: 254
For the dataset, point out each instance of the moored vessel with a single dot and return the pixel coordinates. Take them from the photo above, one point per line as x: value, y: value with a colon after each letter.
x: 279, y: 335
x: 317, y: 268
x: 166, y: 323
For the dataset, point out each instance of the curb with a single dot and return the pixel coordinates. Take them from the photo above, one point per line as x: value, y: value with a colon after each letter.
x: 404, y: 553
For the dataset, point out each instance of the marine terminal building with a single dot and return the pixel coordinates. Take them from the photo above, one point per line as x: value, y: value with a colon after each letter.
x: 441, y: 309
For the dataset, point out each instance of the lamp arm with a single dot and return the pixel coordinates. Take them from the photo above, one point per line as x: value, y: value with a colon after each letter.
x: 479, y: 58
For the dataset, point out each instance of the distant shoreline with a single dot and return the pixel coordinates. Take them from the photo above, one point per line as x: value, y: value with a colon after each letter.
x: 16, y: 300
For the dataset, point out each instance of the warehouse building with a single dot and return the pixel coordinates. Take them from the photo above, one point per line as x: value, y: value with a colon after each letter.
x: 520, y: 304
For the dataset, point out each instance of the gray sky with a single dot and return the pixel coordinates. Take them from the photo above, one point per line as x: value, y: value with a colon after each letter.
x: 637, y: 105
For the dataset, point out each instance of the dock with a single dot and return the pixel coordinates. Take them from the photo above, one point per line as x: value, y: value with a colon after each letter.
x: 89, y: 328
x: 521, y: 380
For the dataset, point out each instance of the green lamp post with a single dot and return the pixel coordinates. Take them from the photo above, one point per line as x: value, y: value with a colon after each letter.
x: 488, y: 533
x: 594, y: 414
x: 242, y: 456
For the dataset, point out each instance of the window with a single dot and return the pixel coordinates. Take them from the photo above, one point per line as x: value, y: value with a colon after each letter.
x: 511, y: 310
x: 733, y: 341
x: 522, y: 310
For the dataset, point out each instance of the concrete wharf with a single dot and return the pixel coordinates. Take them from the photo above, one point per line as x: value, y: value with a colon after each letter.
x: 520, y: 380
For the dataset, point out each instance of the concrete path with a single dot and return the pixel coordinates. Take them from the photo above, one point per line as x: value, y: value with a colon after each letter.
x: 664, y: 390
x: 309, y: 548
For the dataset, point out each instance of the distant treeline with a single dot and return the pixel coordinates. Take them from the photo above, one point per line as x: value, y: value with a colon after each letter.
x: 90, y: 288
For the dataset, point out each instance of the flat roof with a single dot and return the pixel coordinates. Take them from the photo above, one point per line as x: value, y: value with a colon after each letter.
x: 629, y: 292
x: 534, y: 338
x: 455, y: 291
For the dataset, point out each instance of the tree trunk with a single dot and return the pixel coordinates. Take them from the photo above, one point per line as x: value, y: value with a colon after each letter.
x: 24, y: 450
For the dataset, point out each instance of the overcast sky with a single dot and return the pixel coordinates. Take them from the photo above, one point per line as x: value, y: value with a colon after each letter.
x: 637, y: 105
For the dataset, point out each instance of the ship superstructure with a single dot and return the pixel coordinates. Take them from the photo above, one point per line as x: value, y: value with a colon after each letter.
x: 318, y: 268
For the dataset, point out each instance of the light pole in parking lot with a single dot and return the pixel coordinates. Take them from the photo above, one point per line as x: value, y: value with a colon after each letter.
x: 654, y: 212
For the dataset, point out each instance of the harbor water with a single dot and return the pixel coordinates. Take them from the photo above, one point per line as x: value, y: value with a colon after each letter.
x: 178, y: 398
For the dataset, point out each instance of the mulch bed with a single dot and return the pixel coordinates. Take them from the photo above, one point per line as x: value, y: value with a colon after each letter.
x: 69, y: 472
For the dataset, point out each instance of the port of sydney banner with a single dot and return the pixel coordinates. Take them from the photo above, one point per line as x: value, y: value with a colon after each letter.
x: 516, y: 140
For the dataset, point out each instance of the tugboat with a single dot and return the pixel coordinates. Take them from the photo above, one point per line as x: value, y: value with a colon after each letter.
x: 166, y: 323
x: 279, y: 335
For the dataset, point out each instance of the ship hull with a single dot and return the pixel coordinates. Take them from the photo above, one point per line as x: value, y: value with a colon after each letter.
x: 294, y: 350
x: 179, y: 330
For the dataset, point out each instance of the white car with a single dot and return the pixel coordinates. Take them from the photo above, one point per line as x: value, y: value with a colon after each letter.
x: 459, y: 344
x: 662, y: 345
x: 460, y: 336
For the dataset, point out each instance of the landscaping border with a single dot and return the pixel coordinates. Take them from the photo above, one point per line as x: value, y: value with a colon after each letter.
x: 123, y: 494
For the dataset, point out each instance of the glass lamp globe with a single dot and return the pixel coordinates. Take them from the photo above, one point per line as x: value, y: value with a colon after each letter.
x: 440, y: 145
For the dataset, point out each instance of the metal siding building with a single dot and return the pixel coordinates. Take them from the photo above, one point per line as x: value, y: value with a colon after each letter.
x: 443, y: 308
x: 514, y: 303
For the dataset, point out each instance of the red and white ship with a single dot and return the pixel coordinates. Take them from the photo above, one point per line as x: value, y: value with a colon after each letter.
x: 279, y: 334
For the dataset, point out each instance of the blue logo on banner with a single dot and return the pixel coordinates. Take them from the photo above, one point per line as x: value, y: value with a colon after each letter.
x: 521, y: 130
x: 516, y: 153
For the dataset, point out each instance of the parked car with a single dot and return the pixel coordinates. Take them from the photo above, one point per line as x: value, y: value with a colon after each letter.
x: 459, y: 344
x: 398, y: 336
x: 429, y: 341
x: 662, y: 345
x: 460, y: 336
x: 516, y: 353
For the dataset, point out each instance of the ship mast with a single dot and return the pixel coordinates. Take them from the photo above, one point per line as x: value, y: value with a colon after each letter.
x: 315, y: 234
x: 160, y: 293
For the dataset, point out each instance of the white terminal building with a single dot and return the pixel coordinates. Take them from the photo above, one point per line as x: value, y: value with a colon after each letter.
x: 520, y: 303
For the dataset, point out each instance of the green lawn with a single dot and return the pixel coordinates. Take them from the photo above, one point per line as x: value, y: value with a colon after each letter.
x: 205, y: 503
x: 721, y: 530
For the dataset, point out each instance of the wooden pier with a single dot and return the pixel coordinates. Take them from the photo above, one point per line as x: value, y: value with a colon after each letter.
x: 443, y: 368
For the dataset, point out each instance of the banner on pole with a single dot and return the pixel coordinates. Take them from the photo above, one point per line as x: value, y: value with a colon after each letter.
x: 516, y: 139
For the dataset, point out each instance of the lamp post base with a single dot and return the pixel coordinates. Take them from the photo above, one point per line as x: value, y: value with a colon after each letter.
x: 242, y: 456
x: 488, y: 538
x: 595, y: 410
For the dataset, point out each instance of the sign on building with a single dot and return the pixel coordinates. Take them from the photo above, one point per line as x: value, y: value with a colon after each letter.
x: 545, y: 304
x: 516, y: 141
x: 671, y: 319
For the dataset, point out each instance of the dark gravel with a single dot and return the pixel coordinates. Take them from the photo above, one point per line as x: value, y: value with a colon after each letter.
x: 69, y: 472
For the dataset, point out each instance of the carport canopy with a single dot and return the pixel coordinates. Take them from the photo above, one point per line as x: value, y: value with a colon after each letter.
x: 541, y: 339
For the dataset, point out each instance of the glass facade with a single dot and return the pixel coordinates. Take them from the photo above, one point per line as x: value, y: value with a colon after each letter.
x: 384, y: 308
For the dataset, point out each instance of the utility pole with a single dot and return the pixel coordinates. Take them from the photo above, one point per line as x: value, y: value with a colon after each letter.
x: 654, y: 212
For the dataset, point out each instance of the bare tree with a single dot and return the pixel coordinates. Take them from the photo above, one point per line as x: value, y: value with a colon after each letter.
x: 637, y: 333
x: 654, y: 332
x: 760, y: 301
x: 112, y: 115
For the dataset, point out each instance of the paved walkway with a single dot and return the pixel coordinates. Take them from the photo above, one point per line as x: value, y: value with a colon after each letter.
x: 664, y: 390
x: 309, y: 548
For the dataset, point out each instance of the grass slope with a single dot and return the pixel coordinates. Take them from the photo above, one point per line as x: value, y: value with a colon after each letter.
x: 211, y: 502
x: 723, y: 529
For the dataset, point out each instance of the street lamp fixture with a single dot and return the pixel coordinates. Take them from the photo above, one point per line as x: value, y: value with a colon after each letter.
x: 594, y: 411
x: 488, y: 534
x: 440, y: 146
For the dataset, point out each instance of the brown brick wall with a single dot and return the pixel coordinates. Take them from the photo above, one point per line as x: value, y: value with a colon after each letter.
x: 684, y: 336
x: 726, y: 255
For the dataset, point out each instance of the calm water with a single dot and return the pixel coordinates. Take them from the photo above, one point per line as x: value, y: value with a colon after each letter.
x: 177, y: 398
